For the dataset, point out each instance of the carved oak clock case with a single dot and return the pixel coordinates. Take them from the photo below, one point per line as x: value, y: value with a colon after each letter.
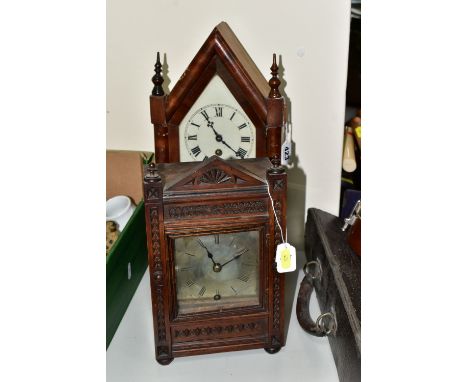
x: 212, y: 237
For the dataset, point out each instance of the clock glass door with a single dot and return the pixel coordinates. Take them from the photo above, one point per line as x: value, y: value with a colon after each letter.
x: 216, y: 125
x: 217, y: 272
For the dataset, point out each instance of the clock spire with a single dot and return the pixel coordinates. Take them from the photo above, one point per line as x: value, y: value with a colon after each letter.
x: 274, y: 81
x: 157, y: 78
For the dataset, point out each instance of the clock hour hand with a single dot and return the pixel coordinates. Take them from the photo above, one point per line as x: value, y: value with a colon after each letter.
x: 219, y: 137
x: 207, y: 251
x: 236, y: 257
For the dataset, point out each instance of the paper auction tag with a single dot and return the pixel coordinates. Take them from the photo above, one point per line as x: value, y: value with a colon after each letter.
x: 358, y: 131
x: 286, y: 149
x: 285, y: 258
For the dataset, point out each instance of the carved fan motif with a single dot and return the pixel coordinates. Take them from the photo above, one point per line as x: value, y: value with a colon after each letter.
x: 214, y: 173
x: 214, y: 176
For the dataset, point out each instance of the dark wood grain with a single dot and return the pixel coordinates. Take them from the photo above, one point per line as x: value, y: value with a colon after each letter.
x: 277, y: 181
x: 276, y: 109
x: 176, y: 206
x: 157, y: 79
x: 221, y: 54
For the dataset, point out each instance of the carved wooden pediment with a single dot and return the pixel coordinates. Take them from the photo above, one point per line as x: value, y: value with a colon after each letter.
x: 214, y: 174
x: 222, y: 63
x: 222, y: 54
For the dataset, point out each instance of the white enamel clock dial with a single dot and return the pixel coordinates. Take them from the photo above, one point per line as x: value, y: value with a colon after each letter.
x: 216, y: 125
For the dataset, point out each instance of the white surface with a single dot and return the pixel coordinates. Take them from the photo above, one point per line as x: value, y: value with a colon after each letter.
x: 130, y: 356
x: 216, y: 92
x: 119, y: 209
x: 311, y: 40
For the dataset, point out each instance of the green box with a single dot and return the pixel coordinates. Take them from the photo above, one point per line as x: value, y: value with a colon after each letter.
x: 129, y: 248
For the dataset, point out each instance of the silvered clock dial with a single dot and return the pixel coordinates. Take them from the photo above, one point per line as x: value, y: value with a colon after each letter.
x: 217, y: 272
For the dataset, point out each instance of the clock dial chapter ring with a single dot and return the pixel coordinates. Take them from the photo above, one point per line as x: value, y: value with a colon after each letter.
x: 219, y: 138
x: 234, y: 136
x: 213, y: 269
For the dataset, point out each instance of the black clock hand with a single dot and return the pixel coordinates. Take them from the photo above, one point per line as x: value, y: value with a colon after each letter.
x: 210, y: 124
x: 219, y: 138
x: 235, y: 152
x: 206, y: 249
x: 235, y: 257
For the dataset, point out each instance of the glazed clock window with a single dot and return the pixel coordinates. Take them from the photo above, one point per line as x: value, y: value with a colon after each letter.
x: 216, y: 125
x: 217, y: 272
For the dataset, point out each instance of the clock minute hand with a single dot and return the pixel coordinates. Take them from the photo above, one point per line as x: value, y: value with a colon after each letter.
x: 235, y: 257
x: 219, y: 138
x: 235, y: 152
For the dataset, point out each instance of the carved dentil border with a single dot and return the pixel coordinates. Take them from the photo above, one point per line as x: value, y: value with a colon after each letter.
x: 157, y: 274
x: 276, y: 279
x: 217, y: 209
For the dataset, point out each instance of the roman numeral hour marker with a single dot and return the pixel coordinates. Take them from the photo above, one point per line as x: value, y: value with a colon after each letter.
x: 205, y: 114
x: 196, y: 151
x: 242, y: 152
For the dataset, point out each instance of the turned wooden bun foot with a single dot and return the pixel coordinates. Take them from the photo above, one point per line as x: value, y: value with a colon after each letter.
x: 165, y: 361
x: 272, y: 350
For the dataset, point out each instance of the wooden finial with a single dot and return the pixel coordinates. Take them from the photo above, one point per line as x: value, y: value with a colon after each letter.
x: 150, y: 173
x: 274, y: 81
x: 157, y: 78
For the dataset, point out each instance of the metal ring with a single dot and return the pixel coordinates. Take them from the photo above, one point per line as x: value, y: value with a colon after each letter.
x: 318, y: 274
x: 321, y: 324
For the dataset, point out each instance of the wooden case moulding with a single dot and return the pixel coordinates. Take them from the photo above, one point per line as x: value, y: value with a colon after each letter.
x: 182, y: 199
x: 216, y: 198
x: 221, y: 54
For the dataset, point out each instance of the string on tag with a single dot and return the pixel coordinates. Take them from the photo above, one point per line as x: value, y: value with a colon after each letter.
x: 276, y: 217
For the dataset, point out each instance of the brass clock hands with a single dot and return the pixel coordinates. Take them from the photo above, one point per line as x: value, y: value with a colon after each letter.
x: 216, y: 266
x: 219, y: 138
x: 207, y: 251
x: 245, y: 250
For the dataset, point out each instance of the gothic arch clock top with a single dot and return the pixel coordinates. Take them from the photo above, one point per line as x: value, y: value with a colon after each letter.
x: 222, y: 105
x: 215, y: 205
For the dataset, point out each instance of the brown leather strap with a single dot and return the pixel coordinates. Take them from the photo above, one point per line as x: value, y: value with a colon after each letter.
x: 302, y: 308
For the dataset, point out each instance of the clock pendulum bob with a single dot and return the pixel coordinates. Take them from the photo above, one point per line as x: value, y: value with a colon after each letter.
x: 212, y: 238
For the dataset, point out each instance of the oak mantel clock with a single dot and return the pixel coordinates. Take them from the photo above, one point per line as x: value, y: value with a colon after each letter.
x: 212, y: 236
x: 222, y: 105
